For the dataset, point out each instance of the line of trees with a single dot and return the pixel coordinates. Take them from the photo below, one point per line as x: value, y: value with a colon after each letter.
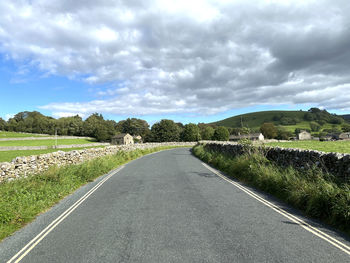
x: 103, y: 130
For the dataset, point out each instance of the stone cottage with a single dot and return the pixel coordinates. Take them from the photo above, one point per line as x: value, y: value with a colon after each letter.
x: 252, y: 136
x: 122, y: 138
x: 344, y: 136
x: 304, y: 135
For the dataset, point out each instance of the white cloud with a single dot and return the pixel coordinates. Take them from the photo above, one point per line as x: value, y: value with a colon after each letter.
x: 197, y: 57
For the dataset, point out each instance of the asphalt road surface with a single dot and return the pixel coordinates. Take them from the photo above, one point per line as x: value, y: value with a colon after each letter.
x: 169, y: 207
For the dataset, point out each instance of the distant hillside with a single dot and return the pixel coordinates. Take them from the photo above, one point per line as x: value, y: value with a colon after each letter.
x: 256, y: 119
x: 346, y: 117
x: 290, y: 120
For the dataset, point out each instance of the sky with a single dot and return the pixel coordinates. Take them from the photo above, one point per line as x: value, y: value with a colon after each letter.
x: 190, y: 61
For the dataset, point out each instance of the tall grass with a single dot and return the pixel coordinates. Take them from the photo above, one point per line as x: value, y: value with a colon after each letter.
x: 317, y: 194
x: 22, y: 200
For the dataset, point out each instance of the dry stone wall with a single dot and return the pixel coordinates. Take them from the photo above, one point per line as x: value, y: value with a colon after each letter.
x: 23, y: 166
x: 335, y: 163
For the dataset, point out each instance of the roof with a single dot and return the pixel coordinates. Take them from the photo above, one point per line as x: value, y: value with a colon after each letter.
x: 120, y: 135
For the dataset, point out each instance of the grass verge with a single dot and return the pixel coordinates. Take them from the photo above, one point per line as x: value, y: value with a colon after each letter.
x: 22, y: 200
x: 318, y: 195
x: 7, y: 156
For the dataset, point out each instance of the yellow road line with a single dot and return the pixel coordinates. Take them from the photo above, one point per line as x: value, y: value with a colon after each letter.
x: 345, y: 248
x: 35, y: 241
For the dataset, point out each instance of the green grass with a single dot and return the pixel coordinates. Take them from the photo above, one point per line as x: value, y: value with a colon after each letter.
x: 22, y: 200
x: 46, y: 142
x: 328, y: 146
x: 6, y: 134
x: 7, y: 156
x: 317, y: 194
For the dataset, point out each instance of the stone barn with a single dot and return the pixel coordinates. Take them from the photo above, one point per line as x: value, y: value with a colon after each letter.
x: 344, y: 136
x: 304, y: 135
x: 122, y: 138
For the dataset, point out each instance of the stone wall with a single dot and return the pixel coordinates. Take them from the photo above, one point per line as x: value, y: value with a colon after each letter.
x: 23, y: 166
x: 335, y: 163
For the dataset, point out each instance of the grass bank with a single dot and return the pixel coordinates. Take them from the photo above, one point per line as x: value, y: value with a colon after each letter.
x: 317, y: 194
x: 327, y: 146
x: 7, y: 156
x: 22, y: 200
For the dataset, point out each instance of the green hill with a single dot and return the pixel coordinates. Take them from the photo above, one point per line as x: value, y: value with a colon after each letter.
x: 290, y: 120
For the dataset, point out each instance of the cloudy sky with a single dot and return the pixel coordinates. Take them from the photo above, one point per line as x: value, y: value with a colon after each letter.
x: 185, y: 60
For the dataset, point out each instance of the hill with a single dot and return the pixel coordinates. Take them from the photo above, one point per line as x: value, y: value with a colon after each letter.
x: 290, y: 120
x: 346, y: 117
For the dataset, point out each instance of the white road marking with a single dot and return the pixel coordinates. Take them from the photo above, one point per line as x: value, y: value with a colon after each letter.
x: 35, y: 241
x: 345, y: 248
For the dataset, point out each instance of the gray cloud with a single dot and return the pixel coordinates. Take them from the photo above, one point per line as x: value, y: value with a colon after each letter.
x: 198, y: 57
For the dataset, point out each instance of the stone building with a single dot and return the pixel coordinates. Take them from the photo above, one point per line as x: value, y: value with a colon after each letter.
x: 252, y: 136
x: 344, y: 136
x: 304, y: 135
x: 122, y: 138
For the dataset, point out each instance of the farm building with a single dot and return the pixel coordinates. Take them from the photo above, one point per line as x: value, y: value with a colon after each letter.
x: 122, y: 138
x: 304, y: 135
x: 344, y: 136
x: 252, y: 136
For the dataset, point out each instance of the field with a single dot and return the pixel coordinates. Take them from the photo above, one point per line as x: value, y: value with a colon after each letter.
x: 46, y: 142
x: 7, y: 156
x: 328, y: 146
x: 6, y: 134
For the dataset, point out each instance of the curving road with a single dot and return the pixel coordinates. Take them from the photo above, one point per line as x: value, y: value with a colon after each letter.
x: 169, y: 207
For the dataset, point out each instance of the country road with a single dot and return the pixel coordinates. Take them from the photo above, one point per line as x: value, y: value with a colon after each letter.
x: 169, y: 207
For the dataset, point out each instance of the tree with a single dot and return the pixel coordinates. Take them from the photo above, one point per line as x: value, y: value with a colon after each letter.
x: 165, y: 131
x: 207, y: 133
x: 314, y: 126
x: 134, y: 126
x: 2, y: 124
x: 221, y: 134
x: 190, y: 133
x: 283, y: 134
x: 269, y: 130
x: 345, y: 127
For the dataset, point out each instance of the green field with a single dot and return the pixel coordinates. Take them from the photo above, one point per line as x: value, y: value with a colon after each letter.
x: 6, y: 134
x: 7, y: 156
x: 46, y: 142
x: 329, y: 146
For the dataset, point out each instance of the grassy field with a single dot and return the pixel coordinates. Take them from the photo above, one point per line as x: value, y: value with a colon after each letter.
x: 7, y: 156
x: 6, y: 134
x: 331, y: 146
x: 22, y: 200
x: 46, y: 142
x: 317, y: 194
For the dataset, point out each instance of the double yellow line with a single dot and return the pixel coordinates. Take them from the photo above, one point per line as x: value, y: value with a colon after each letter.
x: 343, y: 247
x: 35, y: 241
